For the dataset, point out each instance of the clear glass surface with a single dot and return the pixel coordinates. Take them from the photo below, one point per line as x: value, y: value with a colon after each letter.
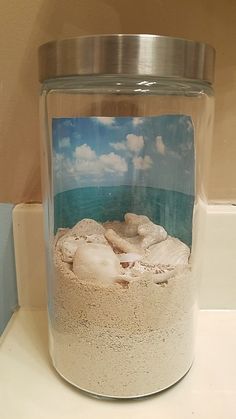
x: 124, y: 168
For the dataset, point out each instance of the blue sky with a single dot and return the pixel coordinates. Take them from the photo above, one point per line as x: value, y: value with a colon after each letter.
x: 153, y: 151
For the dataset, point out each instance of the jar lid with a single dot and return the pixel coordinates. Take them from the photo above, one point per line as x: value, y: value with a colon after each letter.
x: 145, y: 55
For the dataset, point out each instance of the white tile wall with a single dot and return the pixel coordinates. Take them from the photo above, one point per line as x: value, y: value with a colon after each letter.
x: 30, y: 255
x: 215, y: 254
x: 8, y: 291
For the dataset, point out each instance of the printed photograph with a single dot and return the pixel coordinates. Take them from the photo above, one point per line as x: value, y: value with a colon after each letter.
x: 105, y: 167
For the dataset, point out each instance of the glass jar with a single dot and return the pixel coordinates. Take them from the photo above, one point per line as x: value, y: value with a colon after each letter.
x: 126, y: 140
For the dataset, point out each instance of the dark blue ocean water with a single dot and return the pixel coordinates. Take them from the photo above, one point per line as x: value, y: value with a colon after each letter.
x: 173, y: 210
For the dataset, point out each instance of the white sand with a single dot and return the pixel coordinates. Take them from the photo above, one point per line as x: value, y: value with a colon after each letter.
x: 122, y: 342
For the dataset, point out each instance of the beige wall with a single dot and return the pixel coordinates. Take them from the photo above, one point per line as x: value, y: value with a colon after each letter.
x: 24, y: 24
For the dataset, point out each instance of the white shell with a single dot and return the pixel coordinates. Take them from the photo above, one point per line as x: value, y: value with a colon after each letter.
x: 131, y: 218
x: 61, y: 232
x: 120, y: 243
x: 94, y: 261
x: 68, y: 246
x: 168, y: 252
x: 152, y: 233
x: 96, y: 238
x: 87, y: 227
x: 132, y: 221
x: 129, y: 257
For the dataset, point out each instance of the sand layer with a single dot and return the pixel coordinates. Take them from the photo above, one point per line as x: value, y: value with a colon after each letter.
x: 122, y: 342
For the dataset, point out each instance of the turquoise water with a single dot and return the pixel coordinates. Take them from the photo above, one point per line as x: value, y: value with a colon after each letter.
x: 173, y: 210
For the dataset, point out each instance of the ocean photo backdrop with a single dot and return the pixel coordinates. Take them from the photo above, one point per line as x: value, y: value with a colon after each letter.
x: 104, y: 167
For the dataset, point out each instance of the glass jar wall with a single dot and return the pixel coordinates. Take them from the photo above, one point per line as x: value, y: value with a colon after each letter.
x: 125, y: 158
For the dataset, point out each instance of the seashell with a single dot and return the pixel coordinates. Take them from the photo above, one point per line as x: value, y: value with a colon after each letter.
x: 127, y: 260
x: 168, y: 252
x: 161, y: 277
x: 87, y: 227
x: 153, y: 273
x: 132, y: 221
x: 135, y: 241
x: 119, y: 243
x: 68, y: 246
x: 61, y: 232
x: 117, y: 226
x: 130, y: 230
x: 96, y: 238
x: 131, y: 218
x: 152, y: 233
x: 96, y: 262
x: 129, y: 257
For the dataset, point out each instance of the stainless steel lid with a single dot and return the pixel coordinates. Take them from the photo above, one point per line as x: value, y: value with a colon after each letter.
x: 144, y: 55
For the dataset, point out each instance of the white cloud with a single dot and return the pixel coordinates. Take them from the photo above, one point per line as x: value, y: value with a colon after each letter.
x: 189, y: 125
x: 105, y: 120
x: 85, y: 162
x: 137, y: 121
x: 85, y: 152
x: 62, y: 165
x: 64, y: 142
x: 161, y: 148
x: 135, y: 143
x: 164, y: 150
x: 173, y: 154
x: 142, y: 163
x: 68, y: 123
x: 57, y: 161
x: 87, y: 167
x: 118, y: 146
x: 113, y: 163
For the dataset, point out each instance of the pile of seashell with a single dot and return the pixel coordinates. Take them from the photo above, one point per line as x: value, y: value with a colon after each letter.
x: 120, y: 251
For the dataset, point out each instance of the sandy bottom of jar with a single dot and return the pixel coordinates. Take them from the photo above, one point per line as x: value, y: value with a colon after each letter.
x: 107, y: 374
x: 123, y: 342
x: 102, y: 396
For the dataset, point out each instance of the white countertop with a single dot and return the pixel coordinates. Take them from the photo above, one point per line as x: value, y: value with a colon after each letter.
x: 31, y: 389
